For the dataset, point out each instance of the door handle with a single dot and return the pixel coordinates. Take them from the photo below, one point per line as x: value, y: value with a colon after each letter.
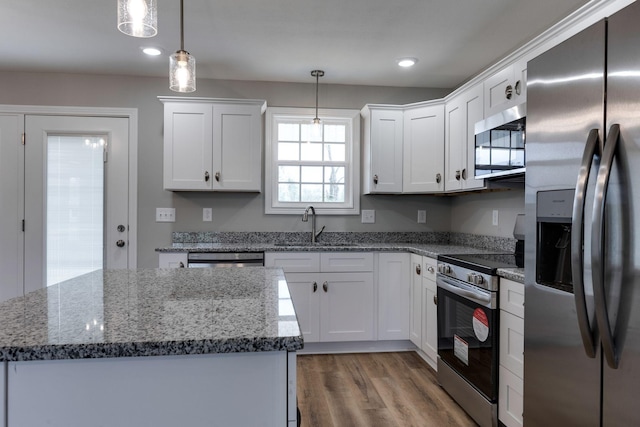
x: 217, y: 176
x: 577, y: 241
x: 375, y: 179
x: 315, y: 287
x: 438, y: 178
x: 418, y: 269
x: 325, y: 286
x: 120, y: 243
x: 597, y: 247
x: 206, y: 176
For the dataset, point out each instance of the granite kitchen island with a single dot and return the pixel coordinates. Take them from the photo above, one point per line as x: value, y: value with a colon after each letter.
x: 197, y: 347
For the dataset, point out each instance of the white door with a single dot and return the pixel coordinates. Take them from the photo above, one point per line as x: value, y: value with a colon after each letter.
x: 11, y: 206
x: 76, y: 197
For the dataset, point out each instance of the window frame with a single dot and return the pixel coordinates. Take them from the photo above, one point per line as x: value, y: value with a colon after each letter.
x: 351, y: 118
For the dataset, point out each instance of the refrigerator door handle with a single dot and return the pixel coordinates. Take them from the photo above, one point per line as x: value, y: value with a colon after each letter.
x: 597, y: 247
x: 587, y: 332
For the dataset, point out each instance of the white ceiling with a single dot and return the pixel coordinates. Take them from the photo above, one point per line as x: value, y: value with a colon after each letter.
x: 353, y: 41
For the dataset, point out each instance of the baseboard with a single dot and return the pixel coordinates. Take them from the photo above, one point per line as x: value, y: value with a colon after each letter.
x: 357, y: 347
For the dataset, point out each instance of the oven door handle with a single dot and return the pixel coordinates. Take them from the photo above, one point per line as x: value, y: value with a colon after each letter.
x: 465, y: 291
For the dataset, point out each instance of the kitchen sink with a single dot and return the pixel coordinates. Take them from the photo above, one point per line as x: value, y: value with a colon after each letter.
x: 320, y: 244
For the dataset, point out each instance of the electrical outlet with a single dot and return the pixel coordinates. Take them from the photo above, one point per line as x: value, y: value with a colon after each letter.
x: 495, y: 218
x: 165, y: 215
x: 422, y: 217
x: 368, y: 216
x: 207, y: 214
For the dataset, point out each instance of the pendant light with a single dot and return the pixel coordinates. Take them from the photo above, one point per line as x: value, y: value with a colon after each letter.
x: 138, y: 18
x: 317, y: 74
x: 182, y: 65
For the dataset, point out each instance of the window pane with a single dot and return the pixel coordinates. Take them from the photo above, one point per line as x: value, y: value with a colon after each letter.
x: 288, y: 174
x: 311, y: 193
x: 334, y: 152
x: 312, y: 174
x: 334, y: 175
x: 75, y: 206
x: 311, y: 151
x: 335, y: 133
x: 334, y: 193
x: 288, y: 132
x: 288, y: 151
x: 310, y: 132
x: 288, y: 192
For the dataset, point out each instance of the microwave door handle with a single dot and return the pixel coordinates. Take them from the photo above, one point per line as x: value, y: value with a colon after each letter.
x: 597, y: 247
x: 587, y: 332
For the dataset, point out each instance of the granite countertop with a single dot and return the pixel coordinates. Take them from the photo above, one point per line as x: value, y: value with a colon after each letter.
x: 149, y: 312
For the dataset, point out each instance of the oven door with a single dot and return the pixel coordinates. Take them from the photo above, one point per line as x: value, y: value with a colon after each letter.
x: 468, y: 333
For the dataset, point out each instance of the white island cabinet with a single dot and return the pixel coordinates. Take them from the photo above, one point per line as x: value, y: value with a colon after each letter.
x: 212, y: 144
x: 180, y: 347
x: 333, y: 293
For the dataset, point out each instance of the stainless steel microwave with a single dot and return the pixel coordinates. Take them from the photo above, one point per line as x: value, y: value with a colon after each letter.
x: 500, y: 144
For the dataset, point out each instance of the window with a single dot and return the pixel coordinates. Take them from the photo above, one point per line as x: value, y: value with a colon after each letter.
x: 309, y: 164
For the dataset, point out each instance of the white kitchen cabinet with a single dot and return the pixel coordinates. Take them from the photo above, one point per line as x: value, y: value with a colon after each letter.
x: 429, y: 311
x: 172, y: 259
x: 505, y: 89
x: 415, y: 327
x: 394, y: 295
x: 212, y: 144
x: 511, y: 358
x: 382, y: 159
x: 423, y: 148
x: 332, y: 292
x: 461, y: 114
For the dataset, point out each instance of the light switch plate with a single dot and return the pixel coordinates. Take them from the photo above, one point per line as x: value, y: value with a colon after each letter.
x: 368, y: 216
x: 165, y: 215
x: 207, y: 214
x: 422, y: 217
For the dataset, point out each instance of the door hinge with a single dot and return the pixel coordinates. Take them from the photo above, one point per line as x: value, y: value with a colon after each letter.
x: 24, y: 138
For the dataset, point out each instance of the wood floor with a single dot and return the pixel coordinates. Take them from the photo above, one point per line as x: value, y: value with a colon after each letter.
x: 373, y: 390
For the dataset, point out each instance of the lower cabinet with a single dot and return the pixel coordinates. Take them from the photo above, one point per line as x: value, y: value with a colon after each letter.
x: 511, y: 371
x: 394, y: 295
x: 424, y: 308
x: 172, y: 259
x: 335, y: 303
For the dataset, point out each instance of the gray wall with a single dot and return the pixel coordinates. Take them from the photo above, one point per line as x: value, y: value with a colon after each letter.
x: 236, y: 212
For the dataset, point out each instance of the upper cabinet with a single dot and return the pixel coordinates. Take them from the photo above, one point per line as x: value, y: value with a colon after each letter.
x: 461, y: 114
x: 383, y: 138
x: 212, y: 144
x: 506, y: 88
x: 423, y: 148
x: 403, y: 148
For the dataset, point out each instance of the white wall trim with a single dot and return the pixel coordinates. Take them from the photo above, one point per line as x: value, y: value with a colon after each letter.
x: 132, y: 115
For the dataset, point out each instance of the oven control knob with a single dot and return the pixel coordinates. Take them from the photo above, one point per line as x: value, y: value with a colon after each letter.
x: 478, y: 279
x: 471, y: 277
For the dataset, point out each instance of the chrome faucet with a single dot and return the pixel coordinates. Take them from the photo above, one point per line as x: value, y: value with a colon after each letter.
x: 305, y: 218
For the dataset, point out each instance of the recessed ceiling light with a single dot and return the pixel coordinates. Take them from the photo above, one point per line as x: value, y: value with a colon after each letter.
x: 407, y: 62
x: 152, y: 51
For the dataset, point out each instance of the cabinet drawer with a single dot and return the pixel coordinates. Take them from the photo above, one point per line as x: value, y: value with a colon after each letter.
x: 293, y: 262
x: 512, y: 343
x: 346, y: 261
x: 510, y: 398
x: 512, y: 297
x: 429, y: 268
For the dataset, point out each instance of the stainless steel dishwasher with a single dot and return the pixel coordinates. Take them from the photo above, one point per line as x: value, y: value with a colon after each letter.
x: 225, y: 259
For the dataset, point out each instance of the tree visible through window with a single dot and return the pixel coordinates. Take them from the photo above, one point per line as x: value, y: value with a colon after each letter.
x: 311, y: 164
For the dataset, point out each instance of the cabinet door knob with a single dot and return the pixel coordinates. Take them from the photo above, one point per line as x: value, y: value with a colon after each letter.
x: 315, y: 286
x: 120, y: 243
x: 218, y: 176
x: 418, y: 269
x: 325, y: 286
x: 458, y: 175
x: 121, y: 228
x: 508, y: 92
x: 435, y: 299
x: 464, y: 174
x: 375, y: 179
x: 181, y: 264
x: 206, y: 176
x: 438, y: 178
x: 431, y: 270
x: 518, y: 87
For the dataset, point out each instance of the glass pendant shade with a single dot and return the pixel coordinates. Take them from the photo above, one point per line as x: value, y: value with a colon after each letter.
x: 182, y: 72
x: 138, y: 18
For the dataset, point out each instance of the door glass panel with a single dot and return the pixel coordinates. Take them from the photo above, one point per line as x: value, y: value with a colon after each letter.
x: 74, y: 206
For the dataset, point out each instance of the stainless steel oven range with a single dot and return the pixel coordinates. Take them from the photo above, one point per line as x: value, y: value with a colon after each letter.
x: 468, y: 331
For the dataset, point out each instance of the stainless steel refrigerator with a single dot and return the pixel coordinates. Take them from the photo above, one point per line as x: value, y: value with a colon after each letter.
x: 582, y: 265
